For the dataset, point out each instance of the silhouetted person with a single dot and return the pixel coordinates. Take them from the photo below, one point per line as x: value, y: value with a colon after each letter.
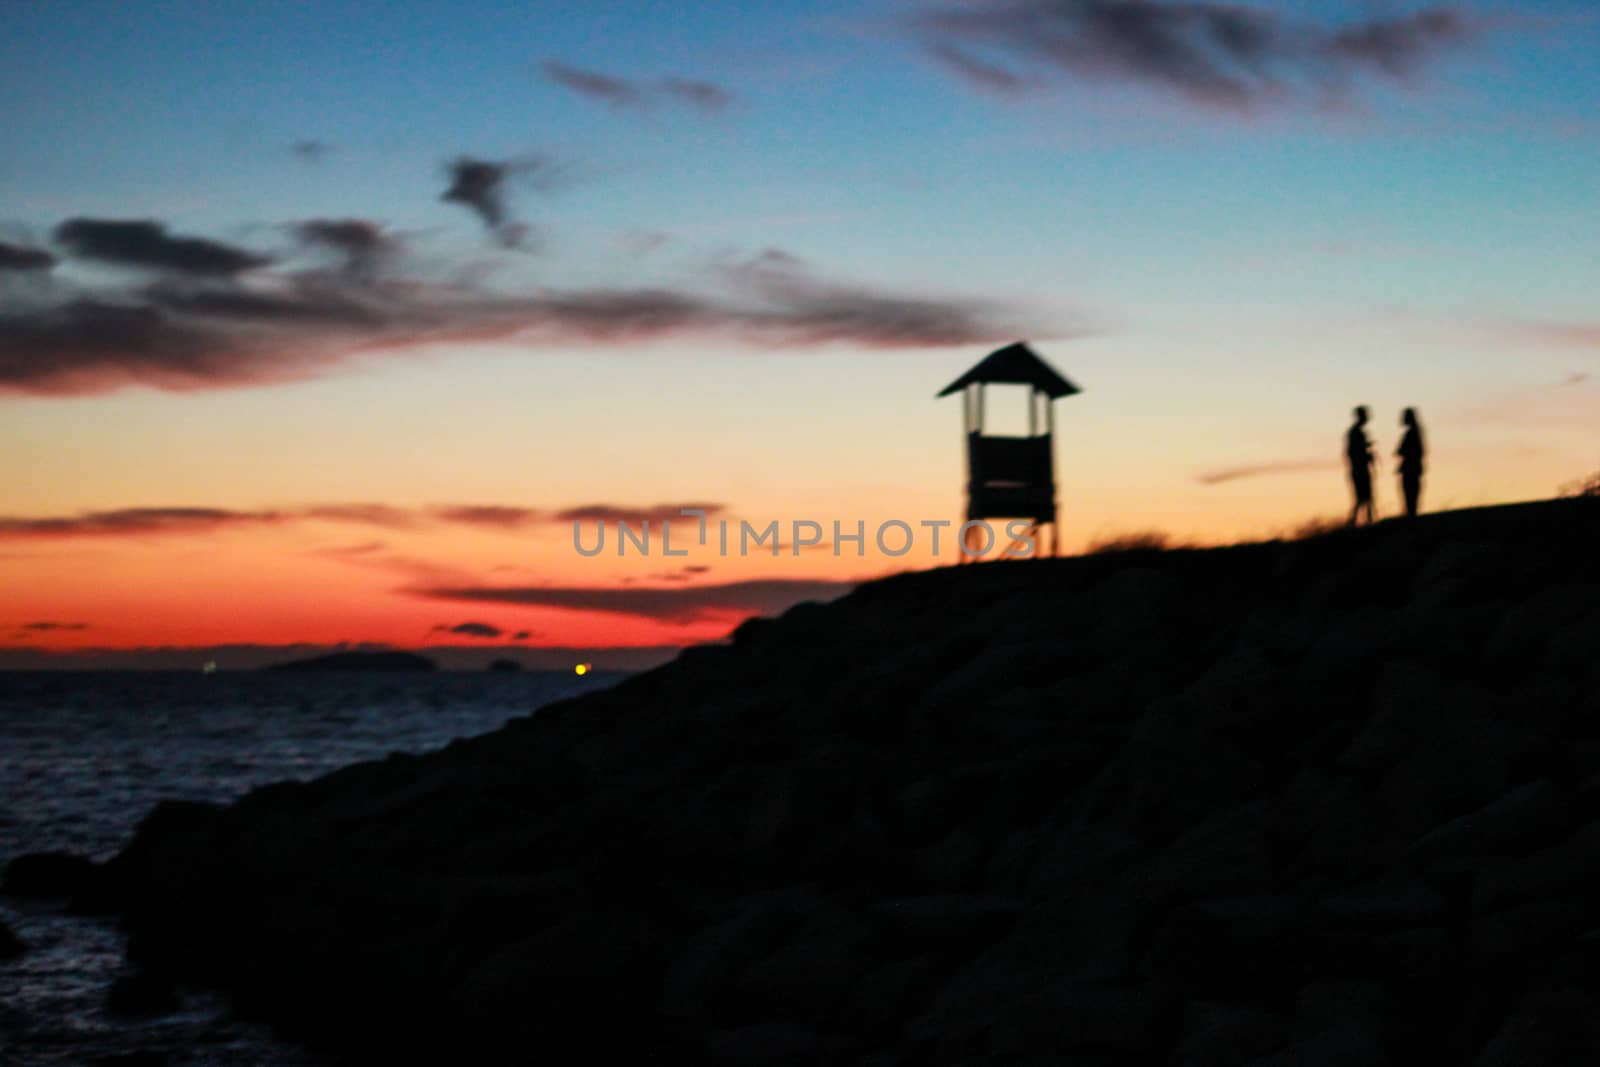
x: 1411, y: 453
x: 1358, y: 456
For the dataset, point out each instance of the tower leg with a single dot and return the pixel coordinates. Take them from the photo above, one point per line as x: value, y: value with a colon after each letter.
x: 969, y: 544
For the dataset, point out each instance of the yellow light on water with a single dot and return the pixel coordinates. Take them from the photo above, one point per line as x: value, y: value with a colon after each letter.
x: 582, y: 668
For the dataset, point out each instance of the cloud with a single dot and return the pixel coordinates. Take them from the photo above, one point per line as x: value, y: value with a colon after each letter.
x: 364, y: 548
x: 807, y: 309
x: 707, y: 96
x: 53, y: 627
x: 614, y: 513
x: 20, y: 258
x: 192, y: 332
x: 125, y: 522
x: 470, y: 629
x: 1571, y: 402
x: 143, y: 522
x: 1399, y: 45
x: 680, y: 605
x: 1217, y: 54
x: 363, y: 246
x: 483, y: 186
x: 488, y: 515
x: 617, y: 92
x: 310, y: 150
x: 146, y: 244
x: 363, y: 514
x: 621, y: 93
x: 1547, y: 332
x: 983, y: 75
x: 1257, y: 470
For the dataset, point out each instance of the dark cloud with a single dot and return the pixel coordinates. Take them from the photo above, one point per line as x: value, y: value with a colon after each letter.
x: 1215, y: 53
x: 617, y: 92
x: 984, y: 75
x: 628, y: 93
x: 185, y: 520
x: 802, y: 308
x: 679, y: 605
x: 126, y: 522
x: 130, y: 522
x: 146, y: 244
x: 614, y: 513
x: 21, y: 258
x: 364, y: 514
x: 363, y: 246
x: 707, y: 96
x: 310, y: 151
x: 483, y: 186
x: 490, y: 515
x: 189, y: 331
x: 1292, y: 466
x: 52, y: 627
x: 1399, y: 46
x: 470, y: 629
x: 365, y: 548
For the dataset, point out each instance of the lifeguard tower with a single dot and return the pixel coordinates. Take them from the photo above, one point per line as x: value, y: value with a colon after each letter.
x: 1012, y: 477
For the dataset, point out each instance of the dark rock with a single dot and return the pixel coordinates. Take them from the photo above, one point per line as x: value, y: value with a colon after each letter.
x: 763, y: 1043
x: 1529, y: 817
x: 142, y: 995
x: 1342, y: 1046
x: 1547, y: 1030
x: 11, y: 946
x: 937, y: 919
x: 1065, y: 1020
x: 50, y: 875
x: 1224, y: 1035
x: 1292, y: 804
x: 138, y: 1058
x: 1371, y: 909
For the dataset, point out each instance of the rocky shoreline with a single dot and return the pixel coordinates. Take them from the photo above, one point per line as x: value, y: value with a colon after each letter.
x: 1332, y: 801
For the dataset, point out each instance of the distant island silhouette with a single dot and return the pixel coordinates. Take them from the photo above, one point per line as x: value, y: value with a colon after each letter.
x: 378, y: 662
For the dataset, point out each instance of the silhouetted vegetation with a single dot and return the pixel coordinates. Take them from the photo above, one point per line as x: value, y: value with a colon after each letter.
x: 1135, y: 541
x: 1317, y: 527
x: 1589, y: 486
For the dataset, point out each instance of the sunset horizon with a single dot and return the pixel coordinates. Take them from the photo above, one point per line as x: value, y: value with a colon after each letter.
x: 370, y: 319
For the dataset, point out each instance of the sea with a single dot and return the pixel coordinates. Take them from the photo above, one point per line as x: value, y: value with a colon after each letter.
x: 83, y: 756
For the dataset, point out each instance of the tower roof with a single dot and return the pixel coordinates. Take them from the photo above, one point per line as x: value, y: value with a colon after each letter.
x: 1015, y: 364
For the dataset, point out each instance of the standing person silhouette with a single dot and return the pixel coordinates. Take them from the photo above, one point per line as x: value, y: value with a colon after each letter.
x: 1358, y: 456
x: 1411, y: 453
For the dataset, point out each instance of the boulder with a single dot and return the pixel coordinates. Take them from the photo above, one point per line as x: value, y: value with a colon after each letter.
x: 11, y: 946
x: 142, y: 995
x: 49, y: 875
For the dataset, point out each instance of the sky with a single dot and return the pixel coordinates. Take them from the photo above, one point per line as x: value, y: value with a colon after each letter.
x: 320, y: 325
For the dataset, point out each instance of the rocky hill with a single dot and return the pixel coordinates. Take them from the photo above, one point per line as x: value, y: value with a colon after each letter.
x: 1322, y: 802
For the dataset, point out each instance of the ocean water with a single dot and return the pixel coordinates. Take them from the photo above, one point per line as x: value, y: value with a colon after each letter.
x: 84, y: 756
